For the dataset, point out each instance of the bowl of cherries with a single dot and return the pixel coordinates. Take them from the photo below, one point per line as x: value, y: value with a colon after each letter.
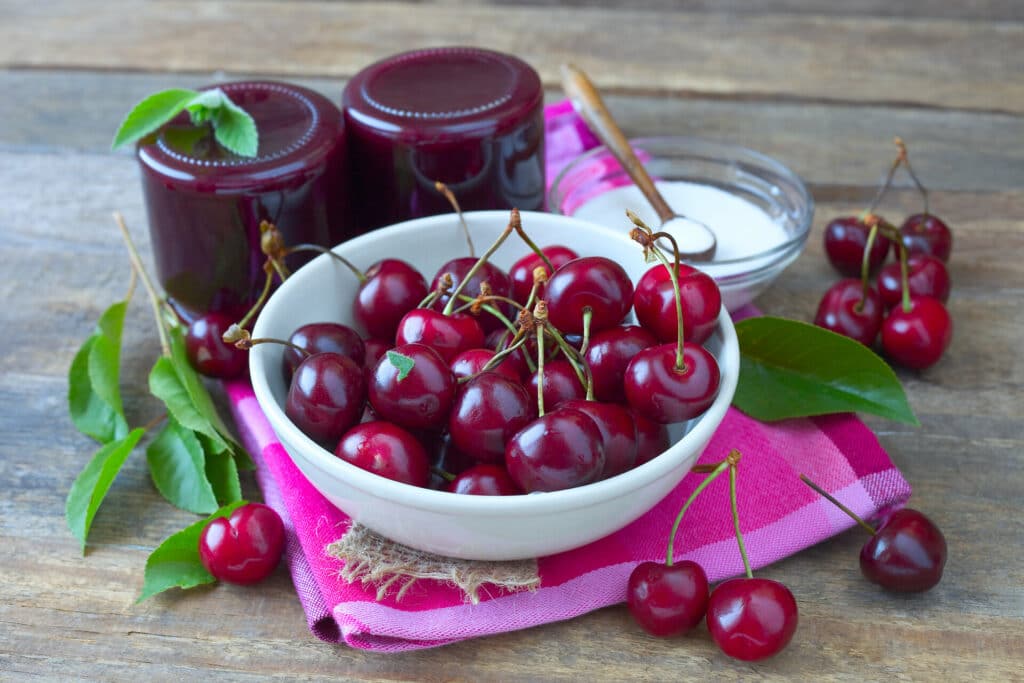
x: 524, y: 402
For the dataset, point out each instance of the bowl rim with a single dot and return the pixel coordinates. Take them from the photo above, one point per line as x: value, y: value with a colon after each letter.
x: 727, y: 151
x: 444, y: 502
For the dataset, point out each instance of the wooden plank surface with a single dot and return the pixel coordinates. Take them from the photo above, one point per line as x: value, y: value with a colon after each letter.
x: 926, y: 62
x: 63, y: 617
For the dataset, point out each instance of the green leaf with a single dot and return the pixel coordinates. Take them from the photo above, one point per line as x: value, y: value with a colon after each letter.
x: 233, y: 127
x: 175, y: 563
x: 165, y: 384
x: 222, y: 473
x: 793, y: 369
x: 151, y: 113
x: 91, y: 485
x: 404, y: 364
x: 177, y: 466
x: 94, y: 396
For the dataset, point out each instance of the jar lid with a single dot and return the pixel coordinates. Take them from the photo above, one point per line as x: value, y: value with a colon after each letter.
x: 452, y: 91
x: 297, y: 128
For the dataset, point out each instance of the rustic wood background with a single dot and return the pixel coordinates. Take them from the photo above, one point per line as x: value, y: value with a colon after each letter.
x: 822, y: 85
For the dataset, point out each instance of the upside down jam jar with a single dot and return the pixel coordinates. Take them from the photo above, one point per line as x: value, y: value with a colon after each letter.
x: 469, y: 118
x: 205, y: 204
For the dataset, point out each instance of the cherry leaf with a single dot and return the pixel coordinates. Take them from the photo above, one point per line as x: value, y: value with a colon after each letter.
x: 150, y: 114
x: 404, y: 364
x: 175, y: 563
x: 94, y: 397
x: 177, y: 466
x: 793, y: 369
x: 91, y: 486
x: 233, y: 127
x: 222, y: 473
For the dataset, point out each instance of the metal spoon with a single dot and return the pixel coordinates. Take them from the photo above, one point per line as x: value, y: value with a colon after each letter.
x: 697, y: 241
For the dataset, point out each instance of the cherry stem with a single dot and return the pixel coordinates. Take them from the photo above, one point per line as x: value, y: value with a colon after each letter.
x: 540, y: 370
x: 447, y: 476
x: 673, y: 274
x: 154, y: 299
x: 884, y: 188
x: 533, y: 247
x: 669, y: 551
x: 241, y: 339
x: 263, y: 295
x: 865, y: 268
x: 588, y: 315
x: 450, y: 196
x: 154, y: 422
x: 360, y: 275
x: 469, y: 302
x: 732, y: 460
x: 569, y: 352
x: 910, y: 171
x: 832, y: 499
x: 513, y: 221
x: 517, y: 343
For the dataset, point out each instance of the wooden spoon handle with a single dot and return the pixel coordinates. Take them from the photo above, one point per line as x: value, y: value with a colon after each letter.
x: 589, y: 105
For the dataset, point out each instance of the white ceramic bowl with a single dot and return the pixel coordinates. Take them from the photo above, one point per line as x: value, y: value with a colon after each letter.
x: 472, y: 527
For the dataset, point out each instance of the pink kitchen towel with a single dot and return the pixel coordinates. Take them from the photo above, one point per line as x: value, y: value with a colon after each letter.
x: 779, y: 514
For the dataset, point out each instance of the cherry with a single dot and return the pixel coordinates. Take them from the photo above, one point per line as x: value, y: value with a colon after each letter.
x: 488, y: 411
x: 386, y: 449
x: 667, y: 600
x: 320, y: 337
x: 521, y: 271
x: 906, y: 554
x: 208, y: 353
x: 655, y: 303
x: 472, y: 361
x: 484, y: 480
x: 498, y: 279
x: 326, y: 396
x: 926, y: 276
x: 420, y: 399
x: 245, y: 547
x: 559, y: 450
x: 499, y: 340
x: 618, y: 433
x: 608, y: 355
x: 751, y: 618
x: 917, y: 337
x: 392, y: 289
x: 846, y: 310
x: 560, y: 383
x: 925, y: 233
x: 651, y: 438
x: 593, y: 282
x: 845, y: 239
x: 448, y: 335
x: 657, y: 389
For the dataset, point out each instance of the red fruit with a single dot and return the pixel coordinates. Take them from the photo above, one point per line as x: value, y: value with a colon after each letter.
x: 421, y: 399
x: 608, y: 356
x: 521, y: 271
x: 906, y: 554
x: 845, y: 310
x: 927, y: 234
x: 386, y: 449
x: 207, y: 351
x: 651, y: 439
x: 659, y: 391
x: 926, y: 276
x: 321, y: 337
x: 484, y: 480
x: 751, y: 619
x: 667, y: 600
x: 392, y: 289
x: 326, y: 396
x: 488, y: 272
x: 488, y: 411
x: 472, y: 361
x: 618, y: 433
x: 558, y: 451
x: 245, y: 547
x: 918, y: 337
x: 448, y: 335
x: 655, y: 304
x: 845, y: 239
x: 591, y: 282
x: 560, y: 384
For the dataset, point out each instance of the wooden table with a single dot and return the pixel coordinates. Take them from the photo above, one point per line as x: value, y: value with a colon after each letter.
x: 823, y: 86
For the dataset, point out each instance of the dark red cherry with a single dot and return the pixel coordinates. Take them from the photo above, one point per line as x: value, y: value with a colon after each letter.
x: 419, y: 400
x: 487, y: 412
x: 751, y: 619
x: 659, y: 391
x: 472, y: 361
x: 558, y: 451
x: 497, y: 278
x: 386, y: 449
x: 654, y: 302
x: 326, y: 396
x: 927, y: 234
x: 560, y: 384
x: 521, y: 271
x: 208, y: 353
x: 618, y: 433
x: 926, y: 276
x: 321, y: 337
x: 484, y: 480
x: 591, y: 281
x: 845, y: 239
x: 906, y: 554
x: 499, y: 340
x: 917, y: 338
x: 245, y: 547
x: 666, y: 600
x: 392, y: 289
x: 608, y: 355
x: 449, y: 335
x: 843, y: 310
x: 651, y: 438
